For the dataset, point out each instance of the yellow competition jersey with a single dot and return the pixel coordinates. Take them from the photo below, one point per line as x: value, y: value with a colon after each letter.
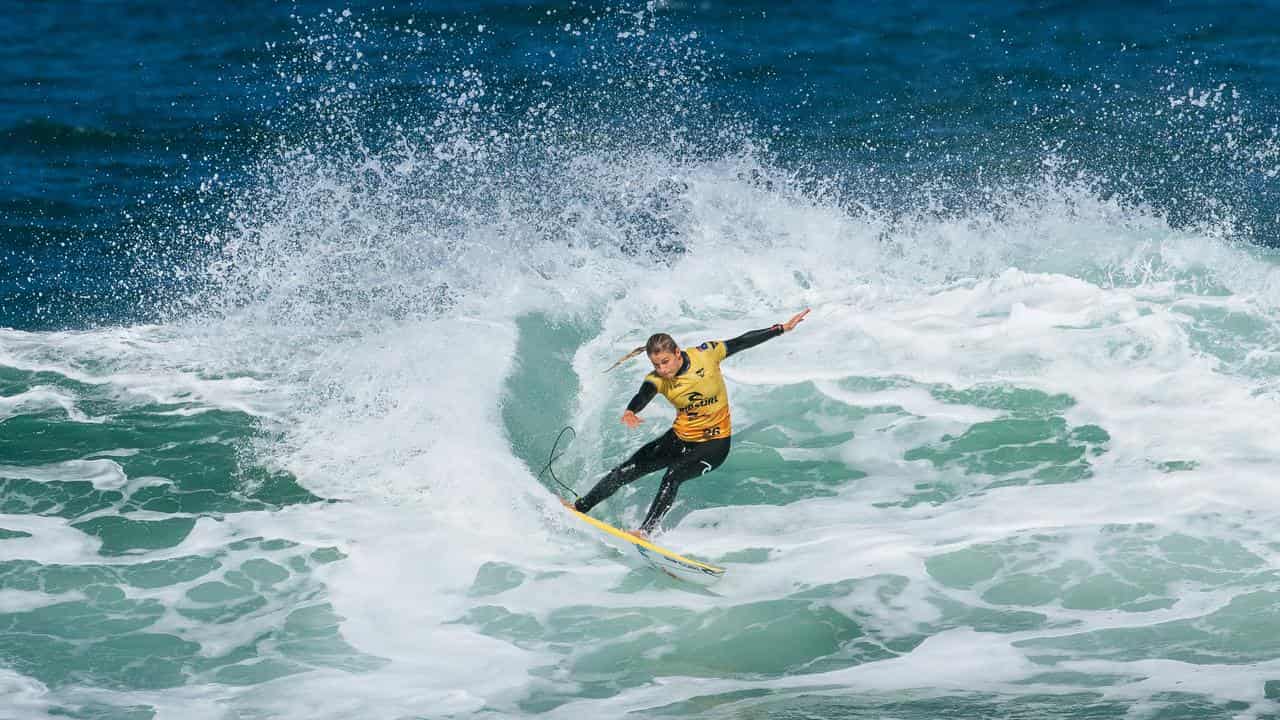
x: 698, y: 394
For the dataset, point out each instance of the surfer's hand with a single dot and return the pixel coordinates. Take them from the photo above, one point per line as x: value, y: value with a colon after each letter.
x: 631, y: 419
x: 790, y: 325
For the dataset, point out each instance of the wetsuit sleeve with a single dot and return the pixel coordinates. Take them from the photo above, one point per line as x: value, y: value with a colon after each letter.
x: 750, y: 339
x: 642, y: 398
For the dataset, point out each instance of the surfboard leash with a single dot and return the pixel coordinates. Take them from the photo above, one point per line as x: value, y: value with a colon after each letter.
x: 547, y: 469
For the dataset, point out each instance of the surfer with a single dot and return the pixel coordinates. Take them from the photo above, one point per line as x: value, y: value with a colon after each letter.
x: 698, y: 440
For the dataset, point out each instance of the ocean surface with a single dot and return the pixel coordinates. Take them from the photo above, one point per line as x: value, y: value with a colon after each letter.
x: 295, y: 298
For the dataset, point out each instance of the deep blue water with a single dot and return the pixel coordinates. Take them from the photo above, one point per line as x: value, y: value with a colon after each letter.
x: 112, y: 115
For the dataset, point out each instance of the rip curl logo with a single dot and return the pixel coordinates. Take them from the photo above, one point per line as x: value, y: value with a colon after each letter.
x: 697, y: 400
x: 701, y: 372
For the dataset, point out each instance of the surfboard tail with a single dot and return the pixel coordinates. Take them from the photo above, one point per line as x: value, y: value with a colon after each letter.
x: 682, y: 568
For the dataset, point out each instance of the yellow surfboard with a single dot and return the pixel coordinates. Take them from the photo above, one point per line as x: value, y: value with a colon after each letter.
x: 671, y: 563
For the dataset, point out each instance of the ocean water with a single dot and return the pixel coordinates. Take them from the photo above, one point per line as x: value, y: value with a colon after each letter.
x: 295, y: 298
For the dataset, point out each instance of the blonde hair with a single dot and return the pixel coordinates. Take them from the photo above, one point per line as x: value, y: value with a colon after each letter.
x: 658, y: 342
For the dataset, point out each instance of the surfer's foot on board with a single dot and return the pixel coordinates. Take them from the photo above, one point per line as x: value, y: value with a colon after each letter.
x: 639, y: 533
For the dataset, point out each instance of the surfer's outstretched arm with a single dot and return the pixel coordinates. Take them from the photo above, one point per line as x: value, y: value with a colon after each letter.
x: 642, y: 398
x: 755, y: 337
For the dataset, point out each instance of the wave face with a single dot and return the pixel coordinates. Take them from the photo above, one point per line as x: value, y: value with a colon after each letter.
x: 284, y: 347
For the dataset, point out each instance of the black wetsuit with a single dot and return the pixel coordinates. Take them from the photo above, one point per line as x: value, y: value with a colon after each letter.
x: 683, y: 459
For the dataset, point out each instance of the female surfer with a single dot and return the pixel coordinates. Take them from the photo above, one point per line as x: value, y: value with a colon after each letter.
x: 698, y: 440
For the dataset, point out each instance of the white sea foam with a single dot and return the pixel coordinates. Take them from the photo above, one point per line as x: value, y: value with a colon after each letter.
x: 104, y: 474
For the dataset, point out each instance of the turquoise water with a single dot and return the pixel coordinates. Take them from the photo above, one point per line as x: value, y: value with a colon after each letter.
x: 286, y: 338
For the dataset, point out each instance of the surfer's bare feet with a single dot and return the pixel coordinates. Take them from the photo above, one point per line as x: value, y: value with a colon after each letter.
x: 639, y: 533
x: 567, y: 504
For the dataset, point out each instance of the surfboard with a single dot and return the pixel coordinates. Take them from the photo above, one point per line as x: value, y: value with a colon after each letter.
x: 672, y: 563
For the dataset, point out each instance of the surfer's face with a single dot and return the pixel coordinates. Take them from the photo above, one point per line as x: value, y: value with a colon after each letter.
x: 666, y: 364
